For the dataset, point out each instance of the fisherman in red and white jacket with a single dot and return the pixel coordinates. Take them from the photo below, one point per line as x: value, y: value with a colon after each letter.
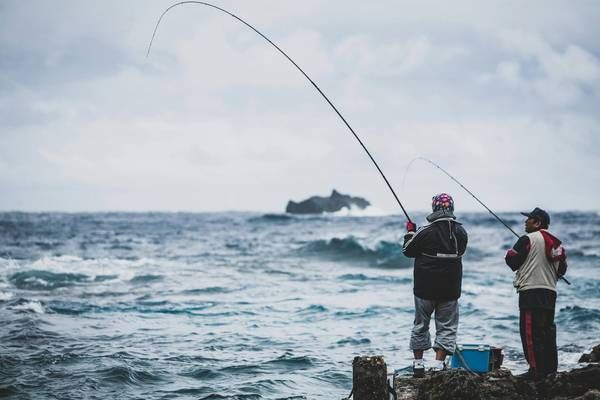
x: 539, y: 261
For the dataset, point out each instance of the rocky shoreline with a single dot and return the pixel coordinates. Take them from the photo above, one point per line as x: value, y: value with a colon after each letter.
x: 581, y: 384
x: 577, y: 384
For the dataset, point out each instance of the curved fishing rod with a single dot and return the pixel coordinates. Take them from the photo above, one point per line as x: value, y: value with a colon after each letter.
x: 472, y: 195
x: 467, y: 190
x: 299, y: 69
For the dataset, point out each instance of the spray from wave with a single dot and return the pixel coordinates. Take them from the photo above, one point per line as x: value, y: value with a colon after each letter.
x: 354, y: 211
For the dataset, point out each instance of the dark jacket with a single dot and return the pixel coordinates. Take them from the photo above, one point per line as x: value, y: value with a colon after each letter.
x: 437, y: 249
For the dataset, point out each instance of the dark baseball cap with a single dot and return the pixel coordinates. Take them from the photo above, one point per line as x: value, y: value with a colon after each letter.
x: 540, y: 215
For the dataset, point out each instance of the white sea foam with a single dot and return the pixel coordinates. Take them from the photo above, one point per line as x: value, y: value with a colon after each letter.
x: 33, y: 305
x: 8, y: 263
x: 123, y: 270
x: 4, y: 296
x: 355, y: 211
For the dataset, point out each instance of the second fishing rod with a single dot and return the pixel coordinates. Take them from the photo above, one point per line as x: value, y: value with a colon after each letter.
x: 472, y: 195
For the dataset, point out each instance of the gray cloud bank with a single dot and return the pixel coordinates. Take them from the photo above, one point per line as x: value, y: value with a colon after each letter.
x: 505, y: 95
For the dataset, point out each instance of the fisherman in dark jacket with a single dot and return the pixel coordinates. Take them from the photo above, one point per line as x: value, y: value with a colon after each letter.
x: 437, y: 249
x: 539, y: 260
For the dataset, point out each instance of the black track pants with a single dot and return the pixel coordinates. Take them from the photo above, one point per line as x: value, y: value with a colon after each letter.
x: 538, y: 336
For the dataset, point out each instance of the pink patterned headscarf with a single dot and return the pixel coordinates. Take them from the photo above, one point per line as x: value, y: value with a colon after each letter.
x: 442, y: 201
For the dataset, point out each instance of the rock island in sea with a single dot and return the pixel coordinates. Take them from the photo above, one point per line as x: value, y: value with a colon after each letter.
x: 318, y: 205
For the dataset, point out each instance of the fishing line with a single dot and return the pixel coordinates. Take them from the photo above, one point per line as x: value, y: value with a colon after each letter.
x: 462, y: 186
x: 299, y: 69
x: 468, y: 191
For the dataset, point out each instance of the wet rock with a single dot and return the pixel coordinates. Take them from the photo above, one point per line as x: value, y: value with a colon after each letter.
x: 333, y: 203
x: 570, y: 385
x: 460, y: 384
x: 593, y: 356
x: 582, y: 383
x: 369, y: 377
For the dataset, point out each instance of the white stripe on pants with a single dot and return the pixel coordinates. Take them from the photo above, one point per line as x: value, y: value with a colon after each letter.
x: 446, y: 325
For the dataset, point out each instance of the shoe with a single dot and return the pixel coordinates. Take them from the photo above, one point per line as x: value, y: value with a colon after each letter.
x: 418, y: 368
x: 530, y: 375
x: 438, y: 365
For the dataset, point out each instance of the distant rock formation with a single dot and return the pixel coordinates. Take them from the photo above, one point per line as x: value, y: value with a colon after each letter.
x: 333, y: 203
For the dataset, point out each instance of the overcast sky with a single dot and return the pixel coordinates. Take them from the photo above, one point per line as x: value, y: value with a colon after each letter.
x: 505, y: 95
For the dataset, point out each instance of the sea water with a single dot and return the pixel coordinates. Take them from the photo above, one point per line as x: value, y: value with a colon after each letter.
x: 246, y: 305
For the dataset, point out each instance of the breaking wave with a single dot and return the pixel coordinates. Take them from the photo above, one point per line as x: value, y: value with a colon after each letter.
x: 385, y: 254
x: 354, y: 211
x: 579, y: 317
x: 46, y: 280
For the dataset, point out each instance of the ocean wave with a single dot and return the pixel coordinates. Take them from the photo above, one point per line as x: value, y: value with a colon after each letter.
x: 47, y: 245
x: 119, y: 246
x: 216, y: 396
x: 156, y: 307
x: 473, y: 254
x: 69, y: 270
x: 288, y: 361
x: 208, y: 290
x: 27, y: 329
x: 382, y: 279
x: 583, y: 254
x: 354, y: 211
x: 272, y: 218
x: 385, y: 254
x: 146, y: 278
x: 128, y: 375
x: 477, y: 219
x: 573, y: 217
x: 201, y: 373
x: 236, y: 369
x: 314, y: 308
x: 46, y: 280
x: 350, y: 341
x: 4, y: 296
x: 25, y: 305
x: 588, y: 288
x: 195, y: 391
x: 580, y: 318
x: 368, y: 312
x: 71, y: 307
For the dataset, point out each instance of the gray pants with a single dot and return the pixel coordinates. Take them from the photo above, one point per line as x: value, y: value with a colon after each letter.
x: 446, y: 325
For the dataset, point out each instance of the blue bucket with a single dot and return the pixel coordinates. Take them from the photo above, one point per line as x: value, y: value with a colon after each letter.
x: 477, y: 357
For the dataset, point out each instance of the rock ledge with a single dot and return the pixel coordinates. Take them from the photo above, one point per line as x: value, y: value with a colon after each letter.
x: 577, y: 384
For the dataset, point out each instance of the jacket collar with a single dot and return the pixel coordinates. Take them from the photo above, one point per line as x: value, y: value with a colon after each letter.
x: 446, y: 214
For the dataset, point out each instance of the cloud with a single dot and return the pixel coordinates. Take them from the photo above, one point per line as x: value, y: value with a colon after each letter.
x: 216, y: 119
x: 557, y: 77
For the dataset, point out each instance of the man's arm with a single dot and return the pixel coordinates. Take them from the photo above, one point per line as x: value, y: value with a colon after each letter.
x: 462, y: 239
x: 410, y: 246
x: 516, y: 256
x: 412, y: 239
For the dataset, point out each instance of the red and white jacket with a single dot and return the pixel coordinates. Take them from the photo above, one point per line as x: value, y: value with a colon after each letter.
x: 539, y: 260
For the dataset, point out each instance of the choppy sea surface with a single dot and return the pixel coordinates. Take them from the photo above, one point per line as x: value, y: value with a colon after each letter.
x: 246, y: 305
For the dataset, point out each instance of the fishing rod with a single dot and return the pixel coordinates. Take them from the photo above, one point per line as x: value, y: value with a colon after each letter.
x: 472, y: 195
x: 468, y: 191
x: 297, y: 67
